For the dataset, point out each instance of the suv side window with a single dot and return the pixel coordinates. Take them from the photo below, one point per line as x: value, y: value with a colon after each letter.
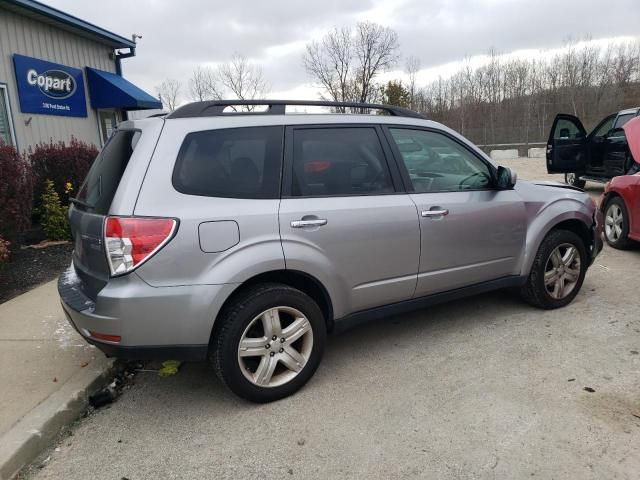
x: 339, y: 162
x: 602, y: 129
x: 437, y: 163
x: 622, y: 119
x: 231, y: 162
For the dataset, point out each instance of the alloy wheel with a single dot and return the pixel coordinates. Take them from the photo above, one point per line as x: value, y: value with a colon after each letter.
x: 275, y: 346
x: 562, y: 271
x: 613, y: 222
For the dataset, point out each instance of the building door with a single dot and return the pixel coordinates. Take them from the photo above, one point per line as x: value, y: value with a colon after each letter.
x: 107, y: 122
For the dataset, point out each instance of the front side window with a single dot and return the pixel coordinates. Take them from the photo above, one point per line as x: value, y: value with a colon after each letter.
x: 602, y: 129
x: 339, y: 162
x: 437, y: 163
x: 566, y: 130
x: 231, y: 162
x: 6, y: 131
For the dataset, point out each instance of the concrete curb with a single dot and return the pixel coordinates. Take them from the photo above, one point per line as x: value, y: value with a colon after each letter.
x: 36, y: 430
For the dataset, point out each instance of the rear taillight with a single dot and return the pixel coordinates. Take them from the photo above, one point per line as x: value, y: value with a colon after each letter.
x: 130, y: 241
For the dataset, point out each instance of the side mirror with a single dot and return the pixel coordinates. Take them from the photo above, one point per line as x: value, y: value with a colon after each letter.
x: 505, y: 178
x: 616, y: 132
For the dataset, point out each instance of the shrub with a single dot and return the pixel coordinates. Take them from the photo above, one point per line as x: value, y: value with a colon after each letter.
x: 4, y: 251
x: 53, y: 215
x: 16, y: 193
x: 62, y: 164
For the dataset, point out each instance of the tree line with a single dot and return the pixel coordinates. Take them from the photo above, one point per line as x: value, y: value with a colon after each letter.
x: 503, y: 100
x: 515, y: 100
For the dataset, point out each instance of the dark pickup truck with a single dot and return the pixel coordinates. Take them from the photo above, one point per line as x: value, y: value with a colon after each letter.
x: 599, y: 156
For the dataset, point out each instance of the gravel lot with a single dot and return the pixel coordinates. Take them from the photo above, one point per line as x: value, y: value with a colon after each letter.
x: 482, y: 388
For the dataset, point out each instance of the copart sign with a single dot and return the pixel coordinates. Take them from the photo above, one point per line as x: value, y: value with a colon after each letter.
x: 49, y: 88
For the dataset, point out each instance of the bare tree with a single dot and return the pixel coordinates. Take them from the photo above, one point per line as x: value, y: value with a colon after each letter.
x: 376, y: 49
x: 329, y: 62
x: 203, y: 85
x: 347, y: 61
x: 169, y: 93
x: 242, y: 79
x: 412, y: 67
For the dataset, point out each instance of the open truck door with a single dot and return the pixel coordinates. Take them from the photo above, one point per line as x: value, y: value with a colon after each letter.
x: 567, y: 145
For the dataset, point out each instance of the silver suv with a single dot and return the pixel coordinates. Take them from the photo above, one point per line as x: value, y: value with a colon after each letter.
x: 242, y: 232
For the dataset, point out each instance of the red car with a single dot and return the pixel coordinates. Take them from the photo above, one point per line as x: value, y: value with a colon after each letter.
x: 621, y: 200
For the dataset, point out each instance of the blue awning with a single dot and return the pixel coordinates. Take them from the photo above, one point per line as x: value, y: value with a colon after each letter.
x: 108, y: 90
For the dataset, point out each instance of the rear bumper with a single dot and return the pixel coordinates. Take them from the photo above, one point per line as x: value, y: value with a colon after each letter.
x: 152, y: 322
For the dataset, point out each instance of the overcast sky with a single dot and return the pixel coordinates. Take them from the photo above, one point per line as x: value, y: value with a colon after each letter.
x: 178, y: 35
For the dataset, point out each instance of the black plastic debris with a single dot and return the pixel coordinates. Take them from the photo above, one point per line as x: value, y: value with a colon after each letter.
x: 122, y: 379
x: 104, y: 396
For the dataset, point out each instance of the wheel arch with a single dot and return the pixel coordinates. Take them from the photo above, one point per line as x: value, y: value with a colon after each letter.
x: 576, y: 221
x: 610, y: 195
x: 576, y: 226
x: 302, y: 281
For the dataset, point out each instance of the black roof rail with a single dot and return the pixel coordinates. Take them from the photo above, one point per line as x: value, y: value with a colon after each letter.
x: 214, y: 108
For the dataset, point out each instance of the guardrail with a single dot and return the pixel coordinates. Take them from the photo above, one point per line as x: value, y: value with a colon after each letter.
x: 513, y: 150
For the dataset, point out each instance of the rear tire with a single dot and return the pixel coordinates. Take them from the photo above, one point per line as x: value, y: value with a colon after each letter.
x: 616, y: 224
x: 268, y: 342
x: 573, y: 179
x: 558, y: 271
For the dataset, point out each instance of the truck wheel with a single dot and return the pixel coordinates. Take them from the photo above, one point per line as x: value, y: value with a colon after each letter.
x: 573, y: 179
x: 616, y: 224
x: 268, y: 342
x: 558, y: 271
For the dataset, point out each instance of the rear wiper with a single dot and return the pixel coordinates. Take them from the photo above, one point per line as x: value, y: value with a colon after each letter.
x: 75, y: 201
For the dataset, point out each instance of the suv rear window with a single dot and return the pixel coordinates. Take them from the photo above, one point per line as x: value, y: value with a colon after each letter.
x: 102, y: 181
x: 233, y: 163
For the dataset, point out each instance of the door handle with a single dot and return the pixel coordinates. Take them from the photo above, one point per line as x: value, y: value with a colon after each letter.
x: 309, y: 223
x: 435, y: 213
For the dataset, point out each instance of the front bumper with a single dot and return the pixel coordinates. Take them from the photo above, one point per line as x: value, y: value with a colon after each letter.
x: 152, y: 322
x: 596, y: 233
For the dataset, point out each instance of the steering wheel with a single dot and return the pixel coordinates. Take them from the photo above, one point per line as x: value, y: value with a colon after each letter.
x: 470, y: 177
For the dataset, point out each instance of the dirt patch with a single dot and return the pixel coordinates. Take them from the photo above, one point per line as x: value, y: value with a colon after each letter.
x: 29, y: 267
x: 617, y: 410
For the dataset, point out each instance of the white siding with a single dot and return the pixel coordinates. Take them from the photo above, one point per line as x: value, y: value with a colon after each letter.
x: 26, y: 36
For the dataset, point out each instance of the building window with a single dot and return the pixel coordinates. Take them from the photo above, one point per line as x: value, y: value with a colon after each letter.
x: 7, y: 134
x: 108, y: 122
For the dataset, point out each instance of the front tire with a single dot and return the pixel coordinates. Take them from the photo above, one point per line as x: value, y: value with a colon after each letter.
x: 616, y: 224
x: 558, y: 271
x: 573, y: 179
x: 268, y: 342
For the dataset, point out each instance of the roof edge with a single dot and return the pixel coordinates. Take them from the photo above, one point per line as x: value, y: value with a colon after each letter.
x: 59, y: 16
